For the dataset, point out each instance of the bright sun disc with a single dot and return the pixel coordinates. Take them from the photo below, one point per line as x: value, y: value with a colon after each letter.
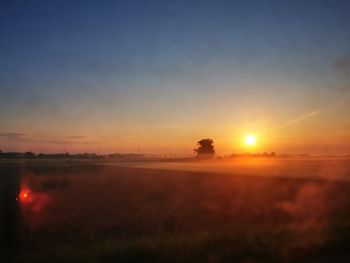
x: 250, y: 139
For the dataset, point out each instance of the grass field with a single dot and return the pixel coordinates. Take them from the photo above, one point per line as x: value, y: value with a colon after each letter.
x: 242, y: 210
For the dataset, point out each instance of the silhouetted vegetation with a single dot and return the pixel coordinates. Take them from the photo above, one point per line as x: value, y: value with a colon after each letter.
x: 205, y: 148
x: 31, y: 155
x: 264, y: 154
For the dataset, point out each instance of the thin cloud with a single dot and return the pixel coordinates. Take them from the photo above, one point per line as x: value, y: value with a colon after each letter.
x: 24, y: 138
x: 12, y: 135
x: 303, y: 117
x: 343, y: 100
x: 298, y: 119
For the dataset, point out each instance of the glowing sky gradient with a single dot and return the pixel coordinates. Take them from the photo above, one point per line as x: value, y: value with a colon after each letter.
x: 160, y: 75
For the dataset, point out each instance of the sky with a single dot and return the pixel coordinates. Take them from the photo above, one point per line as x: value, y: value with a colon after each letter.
x: 157, y: 76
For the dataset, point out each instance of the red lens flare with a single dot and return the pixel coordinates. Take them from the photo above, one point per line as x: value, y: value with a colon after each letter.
x: 32, y: 200
x: 25, y: 195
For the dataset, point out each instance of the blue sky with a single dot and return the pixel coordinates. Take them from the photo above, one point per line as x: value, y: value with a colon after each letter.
x: 127, y: 73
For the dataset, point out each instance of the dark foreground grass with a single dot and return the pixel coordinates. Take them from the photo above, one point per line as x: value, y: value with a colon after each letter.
x: 121, y: 214
x: 242, y: 246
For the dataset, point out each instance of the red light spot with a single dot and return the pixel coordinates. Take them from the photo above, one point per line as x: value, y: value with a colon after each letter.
x: 24, y: 195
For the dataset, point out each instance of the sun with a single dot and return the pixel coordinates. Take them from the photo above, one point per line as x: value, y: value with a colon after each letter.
x: 250, y: 139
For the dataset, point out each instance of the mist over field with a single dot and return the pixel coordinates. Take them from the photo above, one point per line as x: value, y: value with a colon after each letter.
x: 256, y: 210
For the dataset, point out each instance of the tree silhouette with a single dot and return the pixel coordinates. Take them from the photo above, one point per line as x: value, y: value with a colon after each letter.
x: 205, y: 148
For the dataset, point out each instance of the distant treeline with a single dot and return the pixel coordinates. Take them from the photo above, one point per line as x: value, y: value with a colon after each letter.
x: 130, y: 156
x: 265, y: 154
x: 31, y: 155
